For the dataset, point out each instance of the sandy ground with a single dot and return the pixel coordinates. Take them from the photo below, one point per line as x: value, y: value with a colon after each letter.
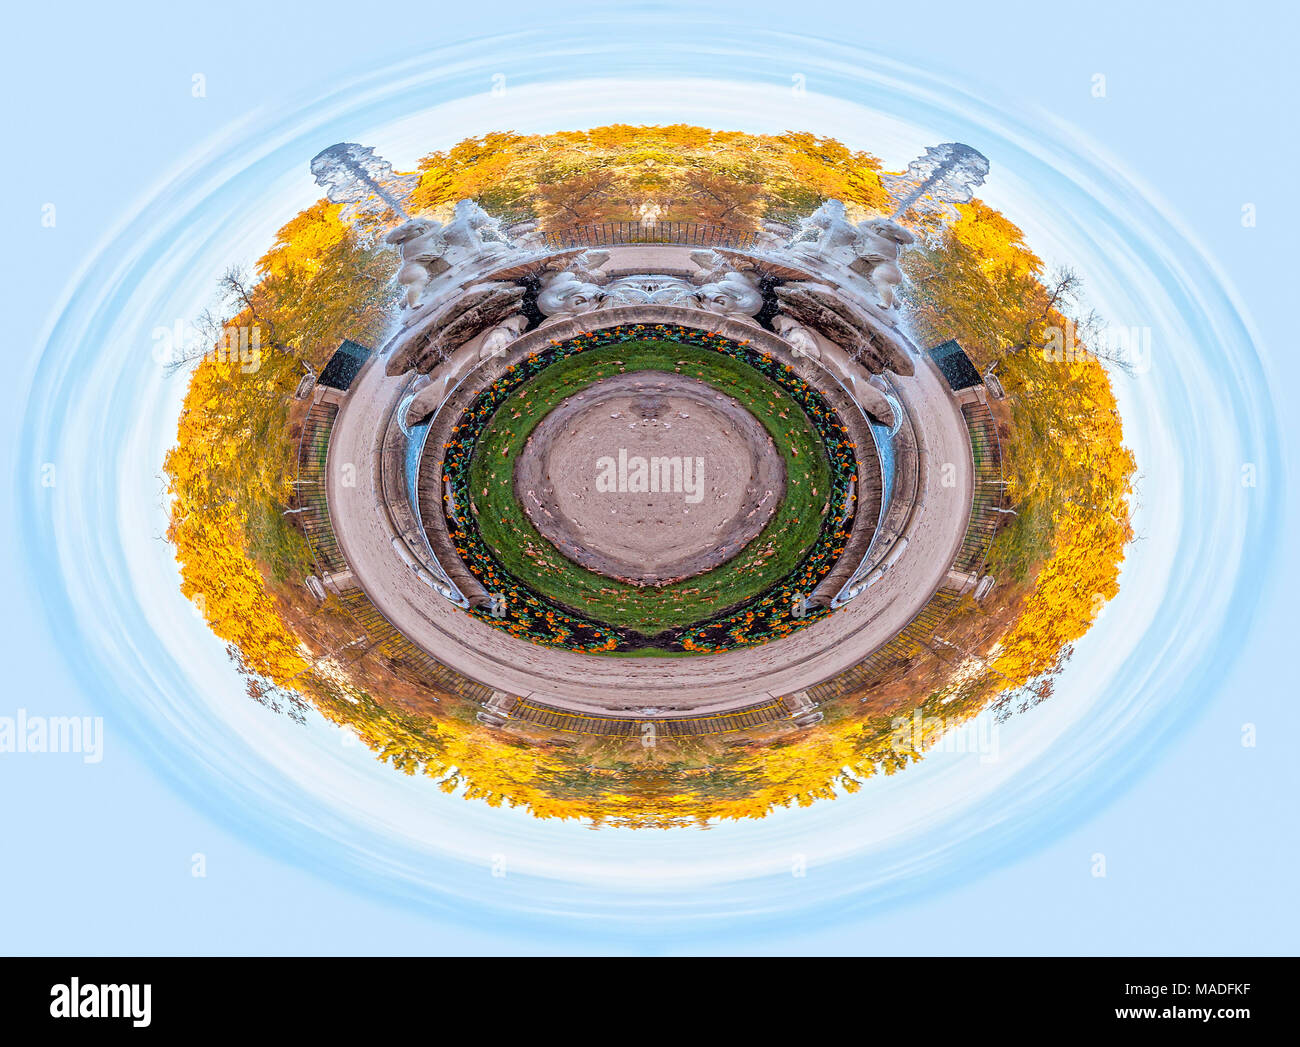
x: 730, y: 480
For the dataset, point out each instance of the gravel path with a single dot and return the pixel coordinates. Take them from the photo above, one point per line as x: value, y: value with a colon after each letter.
x: 702, y: 684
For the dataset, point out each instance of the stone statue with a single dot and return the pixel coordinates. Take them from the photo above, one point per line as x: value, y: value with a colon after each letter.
x: 735, y: 295
x: 827, y: 233
x: 800, y: 338
x: 566, y: 294
x: 423, y: 247
x: 429, y: 248
x: 475, y: 232
x: 466, y: 278
x: 452, y: 323
x: 868, y: 248
x: 880, y: 240
x: 772, y: 235
x: 498, y: 339
x: 868, y: 341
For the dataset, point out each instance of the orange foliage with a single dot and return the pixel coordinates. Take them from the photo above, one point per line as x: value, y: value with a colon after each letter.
x: 1069, y: 473
x: 683, y: 173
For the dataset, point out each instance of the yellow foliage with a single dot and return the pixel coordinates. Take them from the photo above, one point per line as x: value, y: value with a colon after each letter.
x: 614, y: 173
x: 230, y: 591
x: 230, y: 472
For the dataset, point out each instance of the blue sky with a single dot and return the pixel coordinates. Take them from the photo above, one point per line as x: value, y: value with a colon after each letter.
x: 1196, y: 829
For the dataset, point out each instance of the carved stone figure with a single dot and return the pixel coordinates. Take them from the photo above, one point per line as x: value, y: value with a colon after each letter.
x: 423, y: 247
x: 736, y: 295
x: 499, y: 338
x: 878, y: 246
x: 566, y: 294
x: 474, y: 232
x: 586, y: 266
x: 800, y: 338
x: 868, y: 248
x: 429, y: 248
x: 827, y: 233
x: 648, y: 289
x: 467, y: 277
x: 865, y: 338
x: 476, y: 308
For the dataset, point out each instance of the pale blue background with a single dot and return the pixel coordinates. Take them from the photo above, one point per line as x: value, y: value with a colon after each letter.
x: 1201, y: 850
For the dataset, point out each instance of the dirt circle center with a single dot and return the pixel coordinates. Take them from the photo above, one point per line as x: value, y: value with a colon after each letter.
x: 649, y: 477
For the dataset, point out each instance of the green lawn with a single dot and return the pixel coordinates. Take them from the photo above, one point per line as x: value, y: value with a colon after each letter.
x: 763, y: 563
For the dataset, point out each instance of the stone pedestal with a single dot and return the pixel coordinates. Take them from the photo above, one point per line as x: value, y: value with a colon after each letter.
x: 960, y: 582
x: 496, y: 711
x: 803, y: 711
x: 339, y: 582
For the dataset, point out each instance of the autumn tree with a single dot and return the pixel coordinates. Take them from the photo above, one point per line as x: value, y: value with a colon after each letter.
x: 230, y: 474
